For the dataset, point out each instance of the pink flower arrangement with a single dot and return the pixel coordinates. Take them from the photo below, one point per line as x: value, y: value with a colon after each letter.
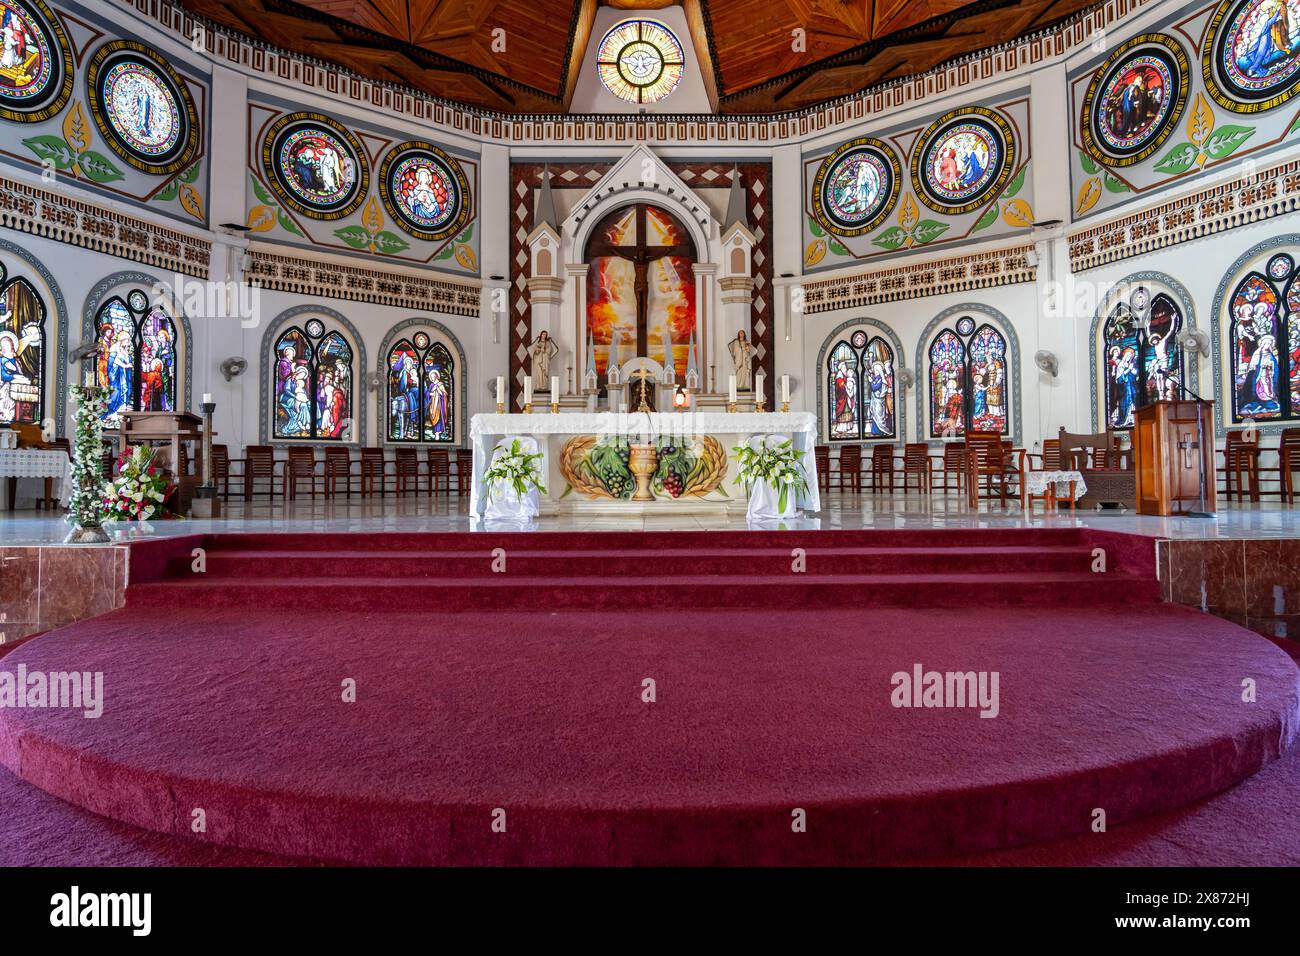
x: 140, y: 491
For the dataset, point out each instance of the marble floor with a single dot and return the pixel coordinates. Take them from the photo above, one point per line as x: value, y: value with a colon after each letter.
x: 1234, y: 521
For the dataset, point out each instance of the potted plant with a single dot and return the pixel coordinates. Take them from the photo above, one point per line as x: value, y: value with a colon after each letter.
x: 772, y: 472
x: 514, y: 481
x: 140, y: 490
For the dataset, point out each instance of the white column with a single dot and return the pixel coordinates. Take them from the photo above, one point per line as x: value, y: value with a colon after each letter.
x: 707, y: 327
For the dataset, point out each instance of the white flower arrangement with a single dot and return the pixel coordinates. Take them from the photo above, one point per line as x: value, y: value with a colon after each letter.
x: 140, y: 490
x: 779, y: 466
x: 516, y: 468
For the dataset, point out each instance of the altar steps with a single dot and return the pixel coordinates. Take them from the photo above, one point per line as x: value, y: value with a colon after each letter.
x: 551, y: 571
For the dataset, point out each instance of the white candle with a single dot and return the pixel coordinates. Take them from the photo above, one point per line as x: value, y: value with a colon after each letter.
x: 528, y: 390
x: 555, y: 388
x: 785, y: 388
x: 731, y: 388
x: 501, y: 389
x: 207, y: 398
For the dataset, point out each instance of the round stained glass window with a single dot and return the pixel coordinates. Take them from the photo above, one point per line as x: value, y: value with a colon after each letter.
x: 142, y: 107
x: 856, y: 187
x: 965, y: 325
x: 1252, y: 61
x: 421, y: 340
x: 859, y: 339
x: 35, y: 62
x: 424, y: 190
x: 1279, y: 267
x: 138, y: 301
x: 315, y: 165
x: 315, y: 328
x: 964, y: 156
x: 640, y: 61
x: 1134, y: 101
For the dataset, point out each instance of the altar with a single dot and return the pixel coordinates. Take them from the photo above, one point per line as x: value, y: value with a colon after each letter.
x: 641, y: 462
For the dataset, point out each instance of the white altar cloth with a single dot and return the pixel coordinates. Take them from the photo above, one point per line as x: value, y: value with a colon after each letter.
x: 39, y: 463
x: 486, y: 430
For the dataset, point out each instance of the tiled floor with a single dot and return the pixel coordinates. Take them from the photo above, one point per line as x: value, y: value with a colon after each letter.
x: 1234, y: 521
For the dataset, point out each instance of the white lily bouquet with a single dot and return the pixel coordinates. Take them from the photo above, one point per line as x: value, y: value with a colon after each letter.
x: 772, y: 471
x: 514, y: 480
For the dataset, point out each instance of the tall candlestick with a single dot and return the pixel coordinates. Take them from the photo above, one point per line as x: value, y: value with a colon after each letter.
x: 731, y: 389
x: 785, y: 388
x: 528, y: 390
x: 555, y: 388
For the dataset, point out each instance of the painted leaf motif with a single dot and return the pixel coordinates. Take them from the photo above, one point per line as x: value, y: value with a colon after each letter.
x: 837, y: 248
x: 1089, y: 164
x: 1018, y: 213
x: 51, y: 148
x: 261, y: 219
x: 389, y: 243
x: 908, y: 215
x: 1295, y: 125
x: 97, y: 167
x: 287, y: 224
x: 372, y: 217
x: 1115, y: 185
x: 191, y: 201
x: 260, y: 192
x: 815, y: 229
x: 190, y: 174
x: 467, y: 235
x: 1016, y: 183
x: 354, y: 236
x: 75, y: 128
x: 1225, y: 140
x: 1089, y: 193
x: 989, y: 218
x: 815, y: 252
x: 891, y: 238
x: 1179, y: 159
x: 1200, y: 120
x: 446, y: 252
x: 928, y: 230
x: 465, y: 256
x: 168, y: 192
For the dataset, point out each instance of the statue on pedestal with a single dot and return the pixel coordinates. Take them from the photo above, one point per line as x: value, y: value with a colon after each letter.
x: 543, y: 349
x: 742, y: 358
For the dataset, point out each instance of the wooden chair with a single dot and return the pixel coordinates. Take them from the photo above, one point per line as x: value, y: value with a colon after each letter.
x: 847, y: 465
x: 916, y: 461
x: 822, y: 459
x: 990, y: 458
x: 221, y: 470
x: 464, y: 470
x: 439, y: 465
x: 952, y: 466
x: 300, y: 466
x: 1241, y: 464
x: 1050, y: 457
x: 1288, y: 453
x: 407, y: 468
x: 259, y: 465
x: 882, y: 467
x: 338, y: 466
x: 374, y: 467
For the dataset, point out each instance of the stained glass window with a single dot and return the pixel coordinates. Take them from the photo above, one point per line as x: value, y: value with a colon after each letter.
x: 1264, y: 316
x: 1140, y: 366
x: 860, y: 389
x: 640, y: 61
x: 421, y: 377
x: 22, y: 352
x: 136, y: 361
x: 970, y: 388
x: 313, y: 384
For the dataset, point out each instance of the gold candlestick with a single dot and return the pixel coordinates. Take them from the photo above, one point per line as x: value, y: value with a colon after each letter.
x: 528, y: 409
x: 555, y: 408
x: 731, y: 407
x: 760, y: 404
x: 501, y: 408
x: 785, y: 406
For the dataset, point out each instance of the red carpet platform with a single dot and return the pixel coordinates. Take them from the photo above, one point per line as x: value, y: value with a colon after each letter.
x: 229, y: 700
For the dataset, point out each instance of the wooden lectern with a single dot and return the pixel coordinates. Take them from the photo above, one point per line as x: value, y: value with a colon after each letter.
x: 174, y: 428
x: 1173, y: 448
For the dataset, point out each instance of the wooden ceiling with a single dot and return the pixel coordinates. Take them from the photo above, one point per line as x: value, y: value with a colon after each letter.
x: 750, y: 50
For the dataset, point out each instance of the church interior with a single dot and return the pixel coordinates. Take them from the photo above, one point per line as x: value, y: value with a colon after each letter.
x: 637, y: 433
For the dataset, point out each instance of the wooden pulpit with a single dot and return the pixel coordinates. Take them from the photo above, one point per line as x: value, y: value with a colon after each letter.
x: 174, y: 428
x: 1173, y: 450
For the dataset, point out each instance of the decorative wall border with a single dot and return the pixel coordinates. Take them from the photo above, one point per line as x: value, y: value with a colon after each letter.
x: 1223, y: 414
x: 330, y: 280
x: 39, y: 212
x: 60, y: 311
x: 983, y: 270
x: 1008, y: 330
x: 231, y: 49
x: 97, y: 296
x: 1264, y: 195
x: 900, y: 407
x: 1171, y: 285
x: 381, y: 361
x: 264, y: 380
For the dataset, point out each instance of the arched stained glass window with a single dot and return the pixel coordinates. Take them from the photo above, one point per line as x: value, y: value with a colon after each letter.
x: 136, y: 361
x: 22, y: 352
x: 860, y: 389
x: 1264, y: 316
x: 970, y: 384
x: 421, y: 376
x: 313, y: 383
x: 1141, y: 365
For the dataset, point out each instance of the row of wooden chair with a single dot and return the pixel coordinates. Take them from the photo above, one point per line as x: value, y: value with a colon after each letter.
x: 339, y: 472
x: 1243, y: 471
x: 886, y: 465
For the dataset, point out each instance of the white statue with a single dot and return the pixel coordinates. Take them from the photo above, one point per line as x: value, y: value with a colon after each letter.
x: 543, y: 350
x: 742, y: 357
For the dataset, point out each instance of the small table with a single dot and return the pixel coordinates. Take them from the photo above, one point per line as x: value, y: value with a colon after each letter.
x: 44, y: 463
x: 1047, y: 485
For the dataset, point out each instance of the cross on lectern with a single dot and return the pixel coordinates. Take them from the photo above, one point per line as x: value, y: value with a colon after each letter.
x: 641, y: 254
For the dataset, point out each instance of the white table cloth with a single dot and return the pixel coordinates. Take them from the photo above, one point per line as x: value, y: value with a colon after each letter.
x: 39, y: 463
x: 485, y: 430
x: 1036, y: 483
x: 503, y: 502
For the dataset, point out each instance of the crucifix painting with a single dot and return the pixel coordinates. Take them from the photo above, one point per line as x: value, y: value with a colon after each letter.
x: 640, y: 285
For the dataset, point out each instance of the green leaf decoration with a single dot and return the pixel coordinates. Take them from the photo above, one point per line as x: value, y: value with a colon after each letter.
x: 1114, y: 185
x: 891, y: 238
x: 168, y: 192
x: 989, y: 218
x: 815, y: 229
x: 390, y: 243
x: 98, y: 168
x: 354, y: 236
x: 837, y: 248
x: 52, y: 148
x: 1089, y: 165
x: 1294, y: 125
x: 1179, y: 159
x: 1016, y: 183
x: 1225, y: 140
x: 467, y: 235
x: 260, y: 192
x: 190, y: 174
x: 928, y: 230
x: 447, y: 252
x: 287, y: 224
